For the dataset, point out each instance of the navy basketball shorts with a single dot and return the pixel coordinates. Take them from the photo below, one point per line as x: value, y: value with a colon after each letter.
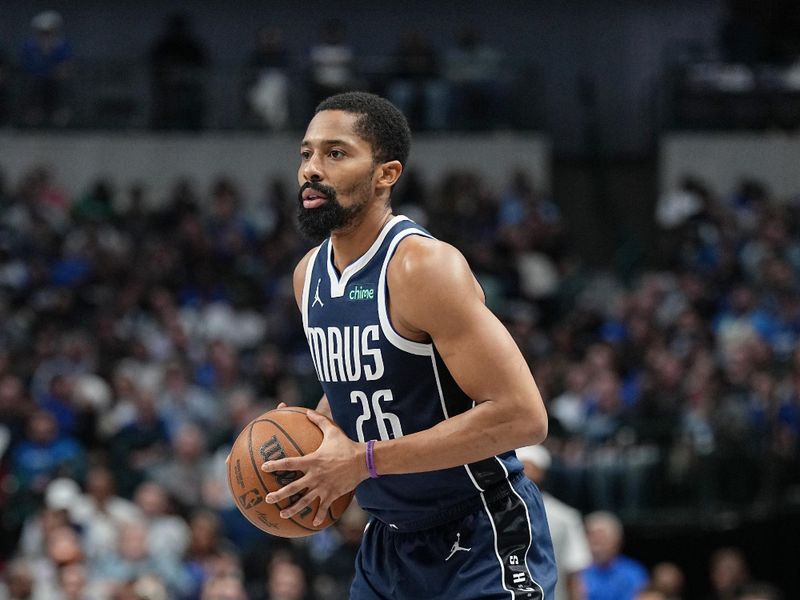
x: 501, y: 550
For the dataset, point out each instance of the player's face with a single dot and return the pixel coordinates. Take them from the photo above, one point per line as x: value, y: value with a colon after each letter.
x: 336, y: 175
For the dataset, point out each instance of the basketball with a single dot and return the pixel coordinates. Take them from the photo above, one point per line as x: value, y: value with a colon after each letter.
x: 279, y: 433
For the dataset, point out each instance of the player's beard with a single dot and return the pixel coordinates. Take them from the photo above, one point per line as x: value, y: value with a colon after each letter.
x: 317, y: 223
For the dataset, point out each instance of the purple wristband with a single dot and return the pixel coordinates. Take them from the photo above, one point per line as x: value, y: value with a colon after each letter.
x: 373, y: 473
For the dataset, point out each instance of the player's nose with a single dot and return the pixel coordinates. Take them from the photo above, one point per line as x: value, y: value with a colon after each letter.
x: 312, y: 169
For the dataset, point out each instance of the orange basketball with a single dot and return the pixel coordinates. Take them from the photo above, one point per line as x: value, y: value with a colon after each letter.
x: 279, y: 433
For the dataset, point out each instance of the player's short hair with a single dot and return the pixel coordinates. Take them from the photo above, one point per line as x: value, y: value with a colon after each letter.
x: 380, y: 123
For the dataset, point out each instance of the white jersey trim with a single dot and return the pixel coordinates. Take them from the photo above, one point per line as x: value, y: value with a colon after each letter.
x: 397, y: 340
x: 307, y: 288
x: 447, y: 416
x: 339, y: 284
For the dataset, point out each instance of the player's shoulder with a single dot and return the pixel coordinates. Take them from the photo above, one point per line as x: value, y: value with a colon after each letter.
x: 431, y: 270
x: 299, y: 275
x: 418, y: 257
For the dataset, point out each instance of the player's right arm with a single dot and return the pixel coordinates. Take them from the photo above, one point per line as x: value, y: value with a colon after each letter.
x: 298, y: 282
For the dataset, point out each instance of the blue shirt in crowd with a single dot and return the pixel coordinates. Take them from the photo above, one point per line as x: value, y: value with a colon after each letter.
x: 619, y: 580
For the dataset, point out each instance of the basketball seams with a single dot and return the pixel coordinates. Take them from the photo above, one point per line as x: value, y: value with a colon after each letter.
x: 296, y: 447
x: 283, y: 431
x: 259, y: 479
x: 301, y: 412
x: 258, y: 471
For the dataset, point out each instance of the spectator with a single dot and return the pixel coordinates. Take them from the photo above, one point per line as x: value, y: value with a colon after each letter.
x: 227, y: 227
x: 15, y: 409
x: 45, y: 207
x: 96, y: 205
x: 71, y: 355
x: 612, y: 575
x: 184, y: 473
x: 139, y: 445
x: 181, y: 402
x: 73, y: 582
x: 42, y: 456
x: 474, y: 72
x: 334, y: 552
x: 224, y: 587
x: 64, y: 506
x: 179, y: 63
x: 206, y: 551
x: 102, y: 513
x: 63, y: 549
x: 668, y: 579
x: 728, y: 573
x: 332, y: 62
x: 168, y: 533
x: 675, y: 207
x: 133, y: 559
x: 617, y: 474
x: 18, y: 582
x: 219, y: 373
x: 416, y: 87
x: 58, y: 402
x: 566, y: 527
x: 122, y: 407
x: 569, y: 407
x: 46, y: 60
x: 286, y: 579
x: 267, y: 94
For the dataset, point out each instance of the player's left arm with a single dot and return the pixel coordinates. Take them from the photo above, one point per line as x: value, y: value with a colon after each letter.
x: 433, y: 291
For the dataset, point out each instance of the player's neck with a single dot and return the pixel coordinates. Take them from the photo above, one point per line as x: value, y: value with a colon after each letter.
x: 350, y: 244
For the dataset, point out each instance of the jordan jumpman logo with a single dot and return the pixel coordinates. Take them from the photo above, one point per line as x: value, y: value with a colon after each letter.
x: 316, y: 296
x: 456, y: 547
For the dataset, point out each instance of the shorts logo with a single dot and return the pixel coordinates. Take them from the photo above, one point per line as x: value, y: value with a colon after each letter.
x: 456, y: 547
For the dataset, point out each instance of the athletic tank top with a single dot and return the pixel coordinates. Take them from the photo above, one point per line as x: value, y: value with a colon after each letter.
x: 381, y: 385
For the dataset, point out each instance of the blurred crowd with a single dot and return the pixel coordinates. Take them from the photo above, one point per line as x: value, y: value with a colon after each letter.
x: 138, y: 336
x: 465, y: 86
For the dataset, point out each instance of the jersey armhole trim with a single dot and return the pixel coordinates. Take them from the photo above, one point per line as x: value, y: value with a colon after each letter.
x: 307, y: 288
x: 397, y: 340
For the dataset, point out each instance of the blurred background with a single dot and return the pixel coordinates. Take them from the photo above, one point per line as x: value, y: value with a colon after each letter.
x: 623, y: 176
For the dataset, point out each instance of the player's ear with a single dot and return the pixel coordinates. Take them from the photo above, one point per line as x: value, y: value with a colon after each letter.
x: 389, y: 173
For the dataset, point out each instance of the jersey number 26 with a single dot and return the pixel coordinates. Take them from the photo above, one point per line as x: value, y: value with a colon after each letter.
x: 388, y: 423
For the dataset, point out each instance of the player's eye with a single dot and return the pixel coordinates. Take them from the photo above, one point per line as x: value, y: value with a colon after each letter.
x: 336, y: 154
x: 305, y: 154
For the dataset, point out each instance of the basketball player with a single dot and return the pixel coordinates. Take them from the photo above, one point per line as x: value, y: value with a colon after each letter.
x: 426, y: 394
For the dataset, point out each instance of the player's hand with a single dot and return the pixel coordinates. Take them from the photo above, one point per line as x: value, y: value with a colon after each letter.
x: 334, y: 469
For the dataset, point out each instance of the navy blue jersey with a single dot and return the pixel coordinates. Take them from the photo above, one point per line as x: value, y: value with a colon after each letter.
x: 381, y: 385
